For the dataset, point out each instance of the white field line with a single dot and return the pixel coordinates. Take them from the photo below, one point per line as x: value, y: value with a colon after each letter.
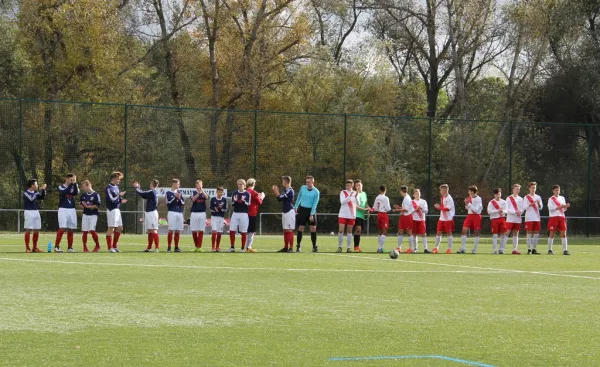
x: 252, y: 269
x: 554, y: 274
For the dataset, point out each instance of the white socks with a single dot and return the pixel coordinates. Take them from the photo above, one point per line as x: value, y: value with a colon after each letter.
x: 425, y: 243
x: 410, y: 242
x: 495, y: 242
x: 349, y: 239
x: 438, y: 239
x: 503, y: 241
x: 536, y: 239
x: 340, y: 239
x: 463, y: 244
x: 476, y: 243
x: 528, y: 240
x: 381, y: 241
x: 400, y: 239
x: 550, y: 243
x: 564, y: 243
x: 515, y: 242
x: 450, y: 239
x: 249, y: 240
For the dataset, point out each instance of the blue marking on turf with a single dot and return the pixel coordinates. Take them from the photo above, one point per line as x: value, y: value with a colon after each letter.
x: 463, y: 361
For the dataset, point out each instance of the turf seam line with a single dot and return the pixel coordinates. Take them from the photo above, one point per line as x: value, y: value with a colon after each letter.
x: 469, y: 267
x: 250, y: 269
x: 458, y: 360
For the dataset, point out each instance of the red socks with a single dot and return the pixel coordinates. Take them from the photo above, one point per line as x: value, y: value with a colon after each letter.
x: 213, y: 240
x: 219, y: 234
x: 36, y: 236
x: 200, y: 237
x: 195, y: 238
x: 169, y: 239
x: 232, y: 238
x: 116, y: 241
x: 150, y: 240
x: 95, y: 237
x: 288, y: 239
x: 109, y: 241
x: 59, y: 236
x: 84, y: 238
x: 27, y: 240
x: 70, y: 239
x: 176, y: 240
x: 155, y: 240
x: 244, y: 235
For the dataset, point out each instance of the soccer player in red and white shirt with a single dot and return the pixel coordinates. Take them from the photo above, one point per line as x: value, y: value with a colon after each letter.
x: 446, y: 221
x: 382, y: 206
x: 256, y: 200
x: 474, y: 207
x: 497, y: 210
x: 405, y: 222
x: 532, y: 205
x: 347, y: 215
x: 419, y: 213
x: 557, y: 205
x: 514, y: 209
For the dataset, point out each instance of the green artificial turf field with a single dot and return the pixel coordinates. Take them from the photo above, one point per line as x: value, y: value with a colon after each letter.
x: 302, y: 309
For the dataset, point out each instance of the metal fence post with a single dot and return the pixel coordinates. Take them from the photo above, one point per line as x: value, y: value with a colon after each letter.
x: 345, y: 142
x: 125, y: 123
x: 255, y: 141
x: 20, y: 168
x: 429, y: 167
x: 589, y: 180
x: 510, y: 155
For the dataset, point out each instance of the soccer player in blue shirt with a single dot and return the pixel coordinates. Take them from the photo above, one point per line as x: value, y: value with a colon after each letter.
x: 114, y: 199
x: 150, y: 213
x: 198, y: 215
x: 175, y: 205
x: 90, y: 202
x: 218, y: 207
x: 306, y: 211
x: 288, y: 214
x: 67, y: 217
x: 33, y: 221
x: 240, y: 201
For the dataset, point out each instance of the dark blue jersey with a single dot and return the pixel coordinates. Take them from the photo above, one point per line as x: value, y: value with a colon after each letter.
x: 218, y: 207
x: 113, y: 199
x: 174, y: 204
x: 31, y: 199
x: 199, y: 205
x: 66, y: 194
x: 151, y: 197
x: 287, y: 200
x: 92, y: 198
x: 240, y: 201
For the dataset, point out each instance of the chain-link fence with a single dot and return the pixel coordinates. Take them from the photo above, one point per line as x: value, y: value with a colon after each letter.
x: 46, y: 139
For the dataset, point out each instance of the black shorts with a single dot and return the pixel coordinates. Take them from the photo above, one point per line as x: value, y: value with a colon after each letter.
x: 359, y: 222
x: 252, y: 224
x: 303, y: 217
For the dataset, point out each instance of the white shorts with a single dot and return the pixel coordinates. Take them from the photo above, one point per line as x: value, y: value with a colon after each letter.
x: 113, y: 218
x: 239, y: 222
x: 197, y: 222
x: 33, y: 219
x: 288, y: 220
x: 67, y: 218
x: 175, y: 220
x: 151, y: 220
x: 217, y: 224
x: 88, y: 222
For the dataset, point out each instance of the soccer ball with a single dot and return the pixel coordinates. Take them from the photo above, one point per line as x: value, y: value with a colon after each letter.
x: 394, y: 254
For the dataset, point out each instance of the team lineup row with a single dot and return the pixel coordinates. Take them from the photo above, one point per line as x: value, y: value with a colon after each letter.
x: 506, y: 215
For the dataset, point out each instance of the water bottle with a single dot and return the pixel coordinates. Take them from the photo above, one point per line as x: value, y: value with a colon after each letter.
x: 50, y: 246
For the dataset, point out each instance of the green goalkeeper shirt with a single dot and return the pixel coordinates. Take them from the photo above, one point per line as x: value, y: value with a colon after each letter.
x: 362, y: 202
